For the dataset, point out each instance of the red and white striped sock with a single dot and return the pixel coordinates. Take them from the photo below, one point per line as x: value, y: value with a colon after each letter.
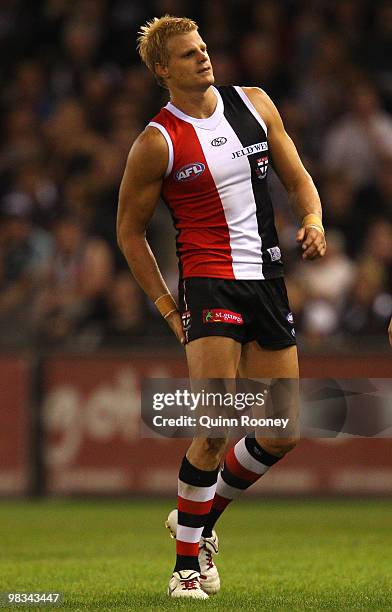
x: 245, y: 463
x: 196, y: 489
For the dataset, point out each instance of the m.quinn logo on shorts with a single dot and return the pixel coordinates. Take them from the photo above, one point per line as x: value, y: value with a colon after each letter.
x: 218, y: 315
x: 190, y: 171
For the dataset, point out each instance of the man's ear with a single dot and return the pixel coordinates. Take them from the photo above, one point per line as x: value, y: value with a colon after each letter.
x: 161, y: 70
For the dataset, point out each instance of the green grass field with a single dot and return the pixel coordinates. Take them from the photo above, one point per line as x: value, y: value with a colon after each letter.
x: 294, y: 555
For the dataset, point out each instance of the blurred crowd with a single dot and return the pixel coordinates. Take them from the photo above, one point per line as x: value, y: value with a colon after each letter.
x: 74, y: 96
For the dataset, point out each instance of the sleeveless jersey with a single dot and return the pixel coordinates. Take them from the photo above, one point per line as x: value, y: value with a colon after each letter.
x: 215, y: 187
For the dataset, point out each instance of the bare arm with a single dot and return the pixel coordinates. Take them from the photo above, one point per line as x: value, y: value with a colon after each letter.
x: 139, y: 194
x: 291, y: 171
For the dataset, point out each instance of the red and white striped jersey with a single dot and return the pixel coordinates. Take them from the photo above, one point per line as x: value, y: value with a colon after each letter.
x: 216, y: 189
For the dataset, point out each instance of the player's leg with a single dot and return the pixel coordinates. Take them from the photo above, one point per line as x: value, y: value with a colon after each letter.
x: 254, y: 454
x: 216, y: 359
x: 213, y: 361
x: 282, y: 368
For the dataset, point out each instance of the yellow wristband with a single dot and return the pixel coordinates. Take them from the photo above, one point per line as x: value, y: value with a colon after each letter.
x: 313, y: 220
x: 166, y: 304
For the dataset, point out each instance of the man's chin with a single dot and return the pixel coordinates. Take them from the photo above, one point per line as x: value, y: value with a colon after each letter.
x: 211, y: 78
x: 207, y: 81
x: 200, y: 84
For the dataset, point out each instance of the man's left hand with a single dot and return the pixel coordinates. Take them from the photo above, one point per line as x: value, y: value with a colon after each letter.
x: 313, y: 242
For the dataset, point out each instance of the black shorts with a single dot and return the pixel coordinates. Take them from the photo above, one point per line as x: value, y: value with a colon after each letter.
x: 245, y: 310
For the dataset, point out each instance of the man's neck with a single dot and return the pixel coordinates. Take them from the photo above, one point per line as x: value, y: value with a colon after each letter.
x: 197, y: 104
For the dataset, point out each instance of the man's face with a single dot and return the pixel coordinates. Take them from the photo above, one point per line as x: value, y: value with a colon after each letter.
x: 189, y: 65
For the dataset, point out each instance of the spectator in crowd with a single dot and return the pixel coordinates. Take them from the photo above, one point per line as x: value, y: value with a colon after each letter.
x: 375, y: 200
x: 24, y: 252
x: 74, y: 282
x: 362, y: 138
x: 369, y: 306
x: 340, y: 205
x: 326, y: 288
x: 125, y: 320
x: 379, y: 50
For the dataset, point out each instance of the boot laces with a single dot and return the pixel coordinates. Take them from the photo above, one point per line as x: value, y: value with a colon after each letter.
x: 190, y: 585
x: 210, y: 563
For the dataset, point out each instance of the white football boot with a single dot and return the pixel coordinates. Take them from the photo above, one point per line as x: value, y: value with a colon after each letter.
x: 186, y: 583
x: 209, y: 576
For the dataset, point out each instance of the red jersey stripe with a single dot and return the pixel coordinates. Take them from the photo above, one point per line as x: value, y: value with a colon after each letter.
x: 203, y: 240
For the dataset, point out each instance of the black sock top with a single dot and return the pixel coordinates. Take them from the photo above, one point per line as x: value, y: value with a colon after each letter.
x: 258, y: 452
x: 194, y: 476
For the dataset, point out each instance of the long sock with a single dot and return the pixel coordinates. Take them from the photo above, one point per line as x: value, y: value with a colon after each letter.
x: 244, y: 464
x: 196, y: 489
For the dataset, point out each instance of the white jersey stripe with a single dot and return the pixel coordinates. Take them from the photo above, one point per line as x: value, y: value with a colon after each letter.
x: 250, y: 106
x: 198, y: 494
x: 166, y: 135
x: 234, y: 184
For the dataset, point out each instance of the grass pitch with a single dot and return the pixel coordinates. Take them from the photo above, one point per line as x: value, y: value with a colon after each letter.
x: 286, y: 555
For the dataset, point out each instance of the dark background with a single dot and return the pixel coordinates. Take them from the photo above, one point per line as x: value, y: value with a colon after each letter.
x: 74, y: 96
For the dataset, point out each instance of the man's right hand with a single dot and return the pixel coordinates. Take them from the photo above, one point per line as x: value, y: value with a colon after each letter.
x: 390, y: 332
x: 175, y: 323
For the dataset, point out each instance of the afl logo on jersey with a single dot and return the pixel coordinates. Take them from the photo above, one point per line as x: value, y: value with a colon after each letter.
x: 218, y: 142
x: 190, y: 172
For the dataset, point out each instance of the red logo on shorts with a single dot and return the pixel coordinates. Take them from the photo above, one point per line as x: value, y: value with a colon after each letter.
x: 216, y: 315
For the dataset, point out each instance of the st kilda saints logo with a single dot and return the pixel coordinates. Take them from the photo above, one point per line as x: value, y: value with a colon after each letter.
x: 261, y: 167
x: 219, y: 141
x: 190, y: 172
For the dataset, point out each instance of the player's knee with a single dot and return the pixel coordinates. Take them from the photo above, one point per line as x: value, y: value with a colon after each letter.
x: 214, y: 447
x: 278, y: 446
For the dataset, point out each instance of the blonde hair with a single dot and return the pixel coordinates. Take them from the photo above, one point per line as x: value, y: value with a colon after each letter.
x: 153, y: 37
